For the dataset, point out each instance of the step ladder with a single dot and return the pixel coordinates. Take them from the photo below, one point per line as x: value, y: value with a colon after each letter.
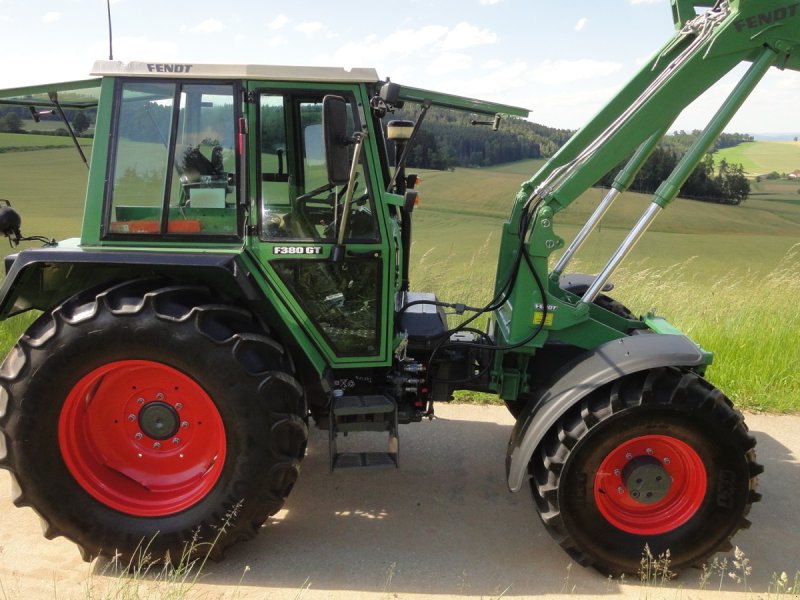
x: 363, y: 413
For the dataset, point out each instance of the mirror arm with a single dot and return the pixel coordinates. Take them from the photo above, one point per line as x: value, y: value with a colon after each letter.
x: 402, y: 162
x: 337, y: 254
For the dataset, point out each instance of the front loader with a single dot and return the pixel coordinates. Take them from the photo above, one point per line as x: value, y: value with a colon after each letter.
x: 242, y: 272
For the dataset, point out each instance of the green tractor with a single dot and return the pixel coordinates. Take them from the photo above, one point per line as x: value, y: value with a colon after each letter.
x: 242, y: 272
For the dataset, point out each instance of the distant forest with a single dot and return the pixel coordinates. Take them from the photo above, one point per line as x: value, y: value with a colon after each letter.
x: 448, y: 139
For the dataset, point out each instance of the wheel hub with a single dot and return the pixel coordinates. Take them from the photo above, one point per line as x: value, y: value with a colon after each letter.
x: 646, y: 481
x: 159, y: 420
x: 650, y: 485
x: 142, y: 438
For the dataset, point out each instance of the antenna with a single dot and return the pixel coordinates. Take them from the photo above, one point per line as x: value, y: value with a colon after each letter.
x: 110, y: 46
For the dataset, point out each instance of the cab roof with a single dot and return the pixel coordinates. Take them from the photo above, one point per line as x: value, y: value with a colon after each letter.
x: 86, y: 93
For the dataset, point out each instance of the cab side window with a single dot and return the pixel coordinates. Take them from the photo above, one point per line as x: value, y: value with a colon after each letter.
x: 297, y: 202
x: 175, y: 160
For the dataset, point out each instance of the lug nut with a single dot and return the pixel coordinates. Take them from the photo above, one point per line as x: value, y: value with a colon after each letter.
x: 140, y: 400
x: 137, y: 435
x: 184, y: 424
x: 176, y: 440
x: 617, y: 472
x: 131, y: 417
x: 650, y: 451
x: 157, y: 445
x: 666, y: 460
x: 178, y: 406
x: 620, y: 490
x: 629, y: 456
x: 159, y: 396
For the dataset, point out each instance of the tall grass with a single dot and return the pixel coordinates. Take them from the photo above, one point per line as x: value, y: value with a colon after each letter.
x: 750, y: 321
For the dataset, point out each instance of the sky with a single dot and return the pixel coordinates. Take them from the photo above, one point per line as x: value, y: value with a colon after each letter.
x: 562, y: 59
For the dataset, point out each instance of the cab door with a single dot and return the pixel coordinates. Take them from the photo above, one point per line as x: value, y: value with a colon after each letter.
x: 341, y: 305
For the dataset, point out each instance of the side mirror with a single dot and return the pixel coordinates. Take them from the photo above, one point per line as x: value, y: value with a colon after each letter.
x: 337, y: 154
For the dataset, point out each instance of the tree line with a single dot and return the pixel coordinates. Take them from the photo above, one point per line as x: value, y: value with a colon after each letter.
x: 723, y: 183
x: 449, y: 139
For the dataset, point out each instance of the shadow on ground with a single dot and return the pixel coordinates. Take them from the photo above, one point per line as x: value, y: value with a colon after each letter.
x: 445, y: 523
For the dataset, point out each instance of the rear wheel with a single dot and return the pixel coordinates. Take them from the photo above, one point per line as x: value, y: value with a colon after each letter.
x: 659, y: 458
x: 149, y: 416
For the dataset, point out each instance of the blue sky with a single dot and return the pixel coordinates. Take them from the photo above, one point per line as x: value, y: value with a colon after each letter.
x: 561, y: 59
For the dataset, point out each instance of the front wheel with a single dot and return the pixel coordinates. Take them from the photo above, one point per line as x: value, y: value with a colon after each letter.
x: 145, y: 417
x: 657, y: 459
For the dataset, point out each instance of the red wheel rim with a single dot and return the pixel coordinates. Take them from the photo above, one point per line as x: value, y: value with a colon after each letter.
x: 142, y: 438
x: 650, y: 485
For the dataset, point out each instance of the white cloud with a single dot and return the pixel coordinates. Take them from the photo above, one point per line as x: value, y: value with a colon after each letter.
x: 465, y: 35
x: 374, y: 50
x: 277, y: 41
x: 449, y: 62
x: 581, y: 23
x: 556, y: 72
x: 51, y: 17
x: 278, y: 22
x: 489, y: 2
x: 208, y: 26
x: 309, y: 27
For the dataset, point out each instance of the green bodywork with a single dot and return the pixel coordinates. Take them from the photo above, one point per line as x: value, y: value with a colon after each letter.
x: 704, y: 49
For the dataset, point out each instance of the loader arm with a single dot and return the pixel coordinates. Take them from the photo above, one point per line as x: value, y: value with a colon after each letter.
x: 705, y: 48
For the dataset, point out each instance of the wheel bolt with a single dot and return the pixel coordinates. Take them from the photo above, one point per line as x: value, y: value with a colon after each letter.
x: 620, y: 490
x: 137, y: 435
x: 140, y: 400
x: 629, y: 456
x: 157, y: 445
x: 666, y: 460
x: 650, y: 451
x: 131, y: 417
x: 159, y: 396
x: 184, y: 424
x: 176, y: 440
x: 178, y: 406
x: 617, y: 472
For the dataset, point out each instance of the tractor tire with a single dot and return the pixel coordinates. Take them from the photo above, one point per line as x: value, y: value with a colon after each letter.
x: 657, y: 459
x: 149, y: 422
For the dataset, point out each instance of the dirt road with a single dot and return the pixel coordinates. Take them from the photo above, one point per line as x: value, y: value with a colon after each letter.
x: 442, y: 526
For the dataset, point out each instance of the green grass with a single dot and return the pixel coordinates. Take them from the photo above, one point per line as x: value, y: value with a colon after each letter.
x: 27, y: 141
x: 759, y: 158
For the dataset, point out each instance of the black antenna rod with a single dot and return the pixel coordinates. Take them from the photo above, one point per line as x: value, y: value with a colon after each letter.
x: 110, y: 46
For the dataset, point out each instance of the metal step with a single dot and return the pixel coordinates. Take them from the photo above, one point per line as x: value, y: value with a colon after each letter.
x: 364, y: 460
x: 352, y: 414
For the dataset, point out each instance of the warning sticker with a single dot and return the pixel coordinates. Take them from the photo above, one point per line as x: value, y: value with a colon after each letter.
x: 537, y: 318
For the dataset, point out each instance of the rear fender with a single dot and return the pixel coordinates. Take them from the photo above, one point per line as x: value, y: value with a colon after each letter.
x: 44, y: 277
x: 585, y: 374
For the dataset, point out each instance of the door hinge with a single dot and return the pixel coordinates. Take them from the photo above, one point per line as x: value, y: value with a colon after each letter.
x: 249, y: 97
x: 252, y: 230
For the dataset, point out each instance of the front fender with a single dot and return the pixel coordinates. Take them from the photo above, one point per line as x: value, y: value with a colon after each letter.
x: 588, y: 372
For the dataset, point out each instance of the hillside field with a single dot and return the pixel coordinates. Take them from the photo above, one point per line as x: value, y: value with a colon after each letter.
x: 760, y: 158
x: 726, y: 275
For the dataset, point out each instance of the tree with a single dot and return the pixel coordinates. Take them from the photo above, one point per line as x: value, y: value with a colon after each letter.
x: 80, y: 122
x: 11, y: 123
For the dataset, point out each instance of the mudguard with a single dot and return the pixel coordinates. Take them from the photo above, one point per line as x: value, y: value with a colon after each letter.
x: 606, y: 363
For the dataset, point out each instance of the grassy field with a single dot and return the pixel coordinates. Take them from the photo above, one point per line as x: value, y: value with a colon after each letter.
x: 726, y: 275
x: 759, y: 158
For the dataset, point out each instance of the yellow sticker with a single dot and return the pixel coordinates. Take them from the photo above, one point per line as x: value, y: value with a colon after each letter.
x: 537, y: 318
